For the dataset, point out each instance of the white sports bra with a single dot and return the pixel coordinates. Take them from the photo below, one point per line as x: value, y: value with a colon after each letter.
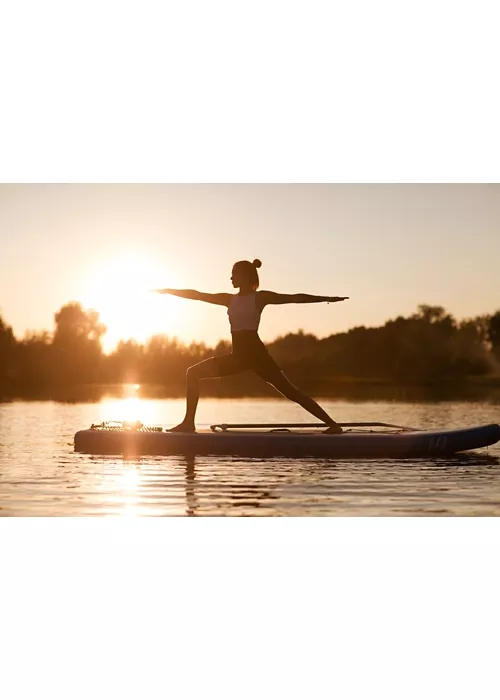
x: 243, y: 313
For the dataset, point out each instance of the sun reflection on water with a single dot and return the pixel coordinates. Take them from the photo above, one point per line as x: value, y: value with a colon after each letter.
x: 130, y: 407
x: 131, y: 479
x: 135, y: 488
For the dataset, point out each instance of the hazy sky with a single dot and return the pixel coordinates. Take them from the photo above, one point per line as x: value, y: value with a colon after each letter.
x: 387, y: 247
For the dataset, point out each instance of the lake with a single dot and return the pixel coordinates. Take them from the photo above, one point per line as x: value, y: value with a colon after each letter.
x: 41, y: 475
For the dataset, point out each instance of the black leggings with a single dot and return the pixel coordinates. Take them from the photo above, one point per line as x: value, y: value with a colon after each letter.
x: 249, y: 352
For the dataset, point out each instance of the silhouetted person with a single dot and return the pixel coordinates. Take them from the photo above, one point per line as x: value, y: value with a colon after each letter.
x: 249, y: 352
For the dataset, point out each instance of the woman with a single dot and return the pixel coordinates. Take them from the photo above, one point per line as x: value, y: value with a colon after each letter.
x: 244, y: 310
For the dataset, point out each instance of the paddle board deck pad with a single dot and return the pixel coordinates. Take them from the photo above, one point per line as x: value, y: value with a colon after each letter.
x: 285, y: 441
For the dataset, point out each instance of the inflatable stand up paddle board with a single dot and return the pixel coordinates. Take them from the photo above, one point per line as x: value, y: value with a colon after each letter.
x: 368, y: 440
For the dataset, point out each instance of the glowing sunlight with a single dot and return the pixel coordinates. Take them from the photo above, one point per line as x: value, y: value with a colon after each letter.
x: 128, y: 409
x: 120, y: 290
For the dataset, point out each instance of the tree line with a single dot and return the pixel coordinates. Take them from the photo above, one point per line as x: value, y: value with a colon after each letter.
x: 428, y: 346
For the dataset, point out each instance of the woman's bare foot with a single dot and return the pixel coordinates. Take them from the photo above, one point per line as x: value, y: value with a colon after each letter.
x: 183, y: 428
x: 334, y: 429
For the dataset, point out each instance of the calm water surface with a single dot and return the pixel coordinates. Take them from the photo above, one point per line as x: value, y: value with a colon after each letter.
x: 41, y: 475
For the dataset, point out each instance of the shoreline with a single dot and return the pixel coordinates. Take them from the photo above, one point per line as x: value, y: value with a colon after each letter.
x: 248, y: 387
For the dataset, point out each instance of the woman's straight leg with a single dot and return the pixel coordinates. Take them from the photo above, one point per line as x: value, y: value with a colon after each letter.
x: 285, y: 387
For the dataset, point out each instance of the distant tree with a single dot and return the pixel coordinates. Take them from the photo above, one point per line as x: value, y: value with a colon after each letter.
x: 36, y: 368
x: 32, y: 337
x: 126, y: 362
x: 470, y: 351
x: 494, y: 334
x: 432, y: 314
x: 75, y: 324
x: 7, y: 349
x: 77, y: 344
x: 165, y: 360
x: 294, y: 347
x: 7, y: 338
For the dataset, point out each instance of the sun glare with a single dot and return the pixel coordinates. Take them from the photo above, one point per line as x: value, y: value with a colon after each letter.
x: 120, y: 290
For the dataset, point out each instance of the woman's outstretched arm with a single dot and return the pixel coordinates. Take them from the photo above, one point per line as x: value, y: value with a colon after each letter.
x: 274, y: 298
x: 221, y: 299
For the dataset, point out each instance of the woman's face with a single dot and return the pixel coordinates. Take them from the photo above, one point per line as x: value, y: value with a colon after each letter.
x: 236, y: 277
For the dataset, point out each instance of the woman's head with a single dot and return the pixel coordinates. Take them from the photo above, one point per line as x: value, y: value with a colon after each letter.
x: 245, y: 274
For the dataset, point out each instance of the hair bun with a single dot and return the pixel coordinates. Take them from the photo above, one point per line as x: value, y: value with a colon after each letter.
x: 257, y: 263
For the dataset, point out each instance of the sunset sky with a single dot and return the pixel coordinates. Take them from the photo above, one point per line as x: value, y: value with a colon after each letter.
x: 387, y: 247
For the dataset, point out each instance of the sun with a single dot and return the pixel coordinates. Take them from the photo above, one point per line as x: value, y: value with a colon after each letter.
x: 120, y: 290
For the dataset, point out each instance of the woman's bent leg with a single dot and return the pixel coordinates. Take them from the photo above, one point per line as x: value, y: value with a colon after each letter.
x: 213, y: 367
